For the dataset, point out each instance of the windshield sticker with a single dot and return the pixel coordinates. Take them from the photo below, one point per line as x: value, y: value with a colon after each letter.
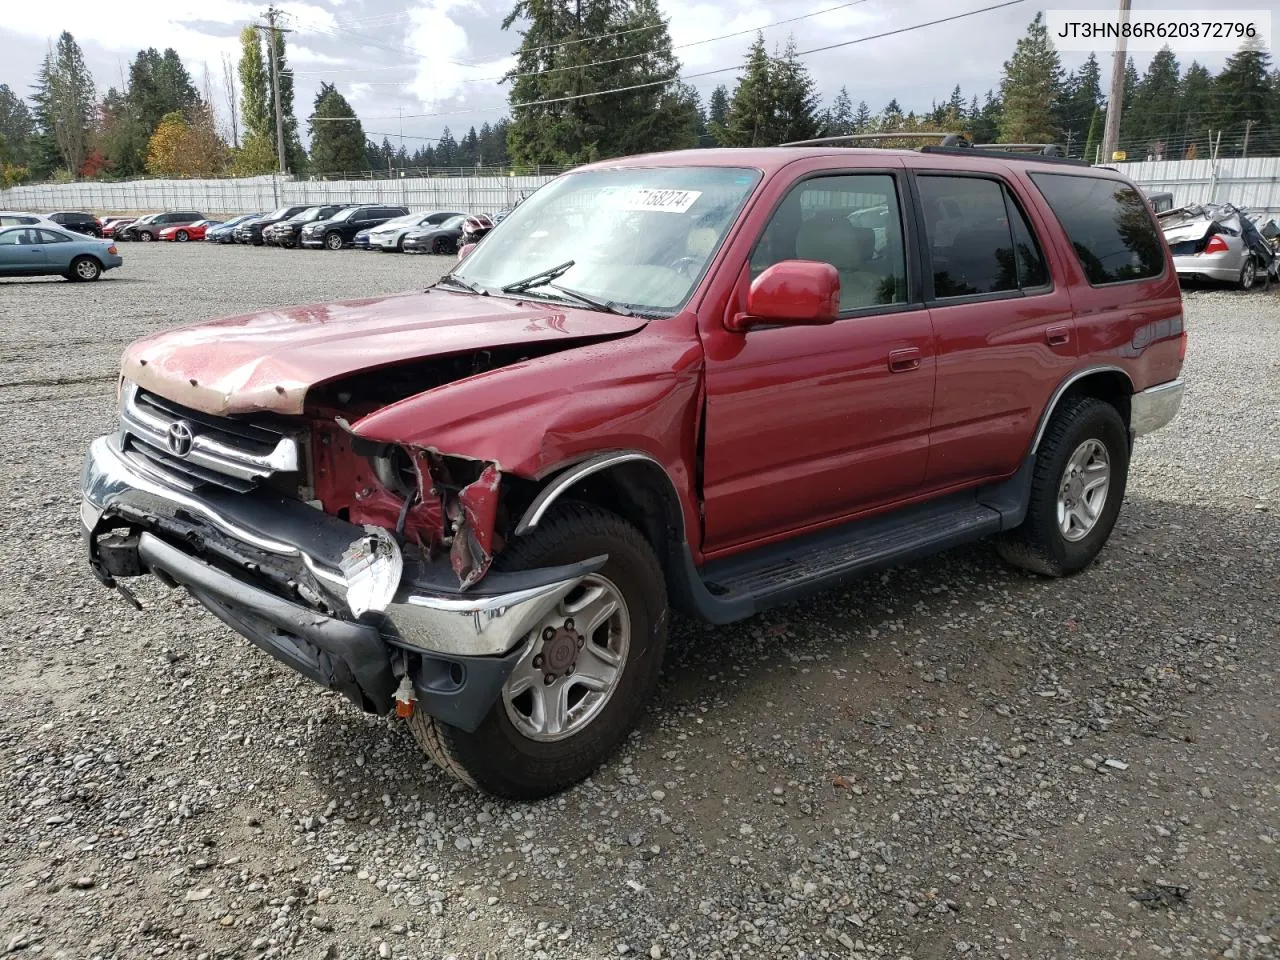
x: 663, y: 201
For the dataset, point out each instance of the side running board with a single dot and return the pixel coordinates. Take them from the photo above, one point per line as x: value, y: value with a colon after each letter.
x: 726, y: 590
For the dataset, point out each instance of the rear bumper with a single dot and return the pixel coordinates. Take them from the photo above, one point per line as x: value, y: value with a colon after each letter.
x: 1155, y: 407
x: 1223, y: 268
x: 287, y: 577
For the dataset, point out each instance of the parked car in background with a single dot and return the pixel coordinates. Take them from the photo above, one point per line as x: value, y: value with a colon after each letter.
x: 28, y: 251
x: 472, y: 507
x: 147, y: 229
x: 285, y: 233
x: 225, y: 231
x: 85, y: 223
x: 1217, y: 242
x: 390, y: 236
x: 181, y: 233
x: 340, y: 230
x: 111, y: 224
x: 250, y: 231
x: 441, y: 238
x: 19, y: 218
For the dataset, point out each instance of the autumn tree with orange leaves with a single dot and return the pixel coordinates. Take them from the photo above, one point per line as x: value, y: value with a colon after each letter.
x: 183, y: 147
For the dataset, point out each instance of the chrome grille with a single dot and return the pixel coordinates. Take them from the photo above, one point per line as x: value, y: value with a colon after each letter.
x: 190, y: 449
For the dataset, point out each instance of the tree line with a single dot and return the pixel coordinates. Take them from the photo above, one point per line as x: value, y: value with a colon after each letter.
x: 596, y: 79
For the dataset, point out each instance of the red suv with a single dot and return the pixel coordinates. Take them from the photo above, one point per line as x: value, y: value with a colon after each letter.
x: 714, y: 379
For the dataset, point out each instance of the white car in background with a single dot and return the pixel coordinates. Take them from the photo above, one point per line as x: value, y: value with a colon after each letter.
x: 19, y: 218
x: 389, y: 238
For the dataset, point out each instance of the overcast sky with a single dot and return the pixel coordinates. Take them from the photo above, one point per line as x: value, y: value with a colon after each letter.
x: 441, y: 57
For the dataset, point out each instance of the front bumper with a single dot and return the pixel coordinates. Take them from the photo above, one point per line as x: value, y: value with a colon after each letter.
x: 286, y: 576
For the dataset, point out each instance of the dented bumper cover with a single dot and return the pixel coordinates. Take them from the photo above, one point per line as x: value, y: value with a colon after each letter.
x: 337, y: 602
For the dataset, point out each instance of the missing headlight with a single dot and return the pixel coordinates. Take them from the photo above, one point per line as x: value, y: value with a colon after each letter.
x: 396, y: 472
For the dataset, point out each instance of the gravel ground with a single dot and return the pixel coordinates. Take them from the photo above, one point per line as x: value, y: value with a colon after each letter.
x: 953, y: 759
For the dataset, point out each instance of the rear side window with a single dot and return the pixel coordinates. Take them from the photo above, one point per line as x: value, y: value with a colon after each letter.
x: 1109, y: 224
x: 48, y: 236
x: 979, y: 241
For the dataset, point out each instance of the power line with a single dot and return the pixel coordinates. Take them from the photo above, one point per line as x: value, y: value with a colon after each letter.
x: 733, y: 69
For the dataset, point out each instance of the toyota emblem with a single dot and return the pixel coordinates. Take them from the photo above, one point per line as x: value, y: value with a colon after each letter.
x: 179, y: 438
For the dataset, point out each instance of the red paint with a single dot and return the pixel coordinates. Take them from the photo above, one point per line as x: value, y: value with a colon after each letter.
x: 793, y: 292
x: 194, y: 231
x: 764, y: 431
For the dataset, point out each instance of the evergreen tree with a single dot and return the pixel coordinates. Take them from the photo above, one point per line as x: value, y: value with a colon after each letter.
x: 159, y: 84
x: 1154, y: 105
x: 572, y: 47
x: 337, y: 136
x: 1082, y: 97
x: 447, y: 149
x: 65, y: 102
x: 469, y: 149
x: 123, y: 137
x: 1242, y: 93
x: 16, y: 125
x: 891, y: 117
x: 861, y: 117
x: 956, y: 104
x: 838, y: 118
x: 1094, y: 134
x: 1031, y: 89
x: 795, y: 97
x: 718, y: 106
x: 1195, y: 99
x: 295, y: 156
x: 750, y: 121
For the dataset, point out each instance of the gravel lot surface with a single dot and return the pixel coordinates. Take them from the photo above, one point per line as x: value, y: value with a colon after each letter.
x: 950, y: 760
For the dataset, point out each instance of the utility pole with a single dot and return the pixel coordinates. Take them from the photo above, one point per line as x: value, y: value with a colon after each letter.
x: 272, y: 30
x: 1244, y: 150
x: 1115, y: 99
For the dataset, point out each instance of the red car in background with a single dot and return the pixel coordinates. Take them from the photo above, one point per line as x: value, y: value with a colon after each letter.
x: 182, y: 232
x: 110, y: 223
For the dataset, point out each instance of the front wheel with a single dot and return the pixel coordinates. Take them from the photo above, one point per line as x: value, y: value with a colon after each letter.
x: 182, y: 236
x: 1248, y: 273
x: 333, y: 241
x: 1081, y: 470
x: 586, y: 672
x: 84, y: 269
x: 145, y: 237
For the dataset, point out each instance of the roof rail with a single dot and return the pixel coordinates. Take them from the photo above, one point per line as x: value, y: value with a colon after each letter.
x: 887, y: 135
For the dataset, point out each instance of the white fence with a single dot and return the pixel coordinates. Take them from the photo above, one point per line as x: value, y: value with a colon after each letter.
x: 254, y: 194
x: 1251, y: 184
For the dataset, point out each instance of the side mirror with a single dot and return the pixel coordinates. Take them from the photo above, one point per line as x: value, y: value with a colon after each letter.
x: 792, y: 293
x: 465, y: 249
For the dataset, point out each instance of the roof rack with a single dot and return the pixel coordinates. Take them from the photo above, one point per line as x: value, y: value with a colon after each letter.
x: 952, y: 143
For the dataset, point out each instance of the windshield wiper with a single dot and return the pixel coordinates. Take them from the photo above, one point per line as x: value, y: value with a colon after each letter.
x: 590, y: 301
x: 539, y: 278
x: 461, y: 284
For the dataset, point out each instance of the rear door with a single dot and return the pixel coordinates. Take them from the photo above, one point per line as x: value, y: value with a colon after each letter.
x: 20, y: 252
x: 1004, y: 329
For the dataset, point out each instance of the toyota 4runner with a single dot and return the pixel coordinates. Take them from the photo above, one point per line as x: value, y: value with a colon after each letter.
x: 715, y: 379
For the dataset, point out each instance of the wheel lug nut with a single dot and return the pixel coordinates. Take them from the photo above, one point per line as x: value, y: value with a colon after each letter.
x: 548, y: 633
x: 569, y: 669
x: 549, y: 679
x: 582, y: 642
x: 568, y: 623
x: 537, y: 662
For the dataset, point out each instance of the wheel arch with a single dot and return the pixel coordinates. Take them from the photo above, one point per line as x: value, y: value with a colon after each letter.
x: 1107, y: 383
x: 631, y: 484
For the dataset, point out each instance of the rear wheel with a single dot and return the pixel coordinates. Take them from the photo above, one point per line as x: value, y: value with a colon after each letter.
x: 440, y: 245
x: 586, y: 673
x: 1081, y: 470
x: 84, y: 269
x: 145, y: 236
x: 1248, y: 273
x: 333, y: 241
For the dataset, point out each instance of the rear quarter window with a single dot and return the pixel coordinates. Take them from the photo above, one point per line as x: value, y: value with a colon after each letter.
x: 1109, y: 224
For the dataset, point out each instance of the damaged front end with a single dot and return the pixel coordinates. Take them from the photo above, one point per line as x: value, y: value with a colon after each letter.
x: 364, y: 566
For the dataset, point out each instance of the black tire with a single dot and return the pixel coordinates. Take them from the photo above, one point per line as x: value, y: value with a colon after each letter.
x: 497, y: 758
x: 438, y: 245
x: 1039, y: 544
x: 333, y: 241
x: 1248, y: 273
x: 84, y: 270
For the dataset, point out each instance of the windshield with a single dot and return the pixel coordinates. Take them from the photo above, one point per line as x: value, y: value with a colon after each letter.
x: 638, y: 236
x: 344, y: 214
x: 311, y: 213
x: 453, y: 223
x: 278, y: 214
x: 408, y: 219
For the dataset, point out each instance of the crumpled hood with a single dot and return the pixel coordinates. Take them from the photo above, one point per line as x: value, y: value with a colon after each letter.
x: 268, y: 360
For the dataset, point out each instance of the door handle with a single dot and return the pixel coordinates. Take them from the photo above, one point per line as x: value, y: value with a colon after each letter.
x: 1058, y: 334
x: 904, y: 359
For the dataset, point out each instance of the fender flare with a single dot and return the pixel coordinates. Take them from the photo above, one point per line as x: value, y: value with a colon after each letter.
x: 1066, y: 385
x: 581, y: 470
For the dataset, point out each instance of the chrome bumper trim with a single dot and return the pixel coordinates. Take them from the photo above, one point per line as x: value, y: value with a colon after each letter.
x: 1153, y: 408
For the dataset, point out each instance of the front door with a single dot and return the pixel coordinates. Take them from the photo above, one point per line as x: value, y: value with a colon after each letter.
x: 20, y: 253
x: 807, y: 424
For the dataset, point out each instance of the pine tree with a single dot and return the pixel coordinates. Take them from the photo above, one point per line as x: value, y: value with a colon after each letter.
x: 1082, y: 97
x: 1031, y: 88
x: 1154, y: 105
x: 1242, y: 93
x: 891, y: 117
x: 718, y: 106
x: 1195, y: 99
x: 122, y: 137
x: 751, y: 122
x: 861, y: 117
x: 572, y: 47
x: 795, y: 97
x: 337, y: 137
x: 956, y: 104
x: 838, y: 119
x: 447, y: 149
x: 65, y: 102
x: 16, y: 125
